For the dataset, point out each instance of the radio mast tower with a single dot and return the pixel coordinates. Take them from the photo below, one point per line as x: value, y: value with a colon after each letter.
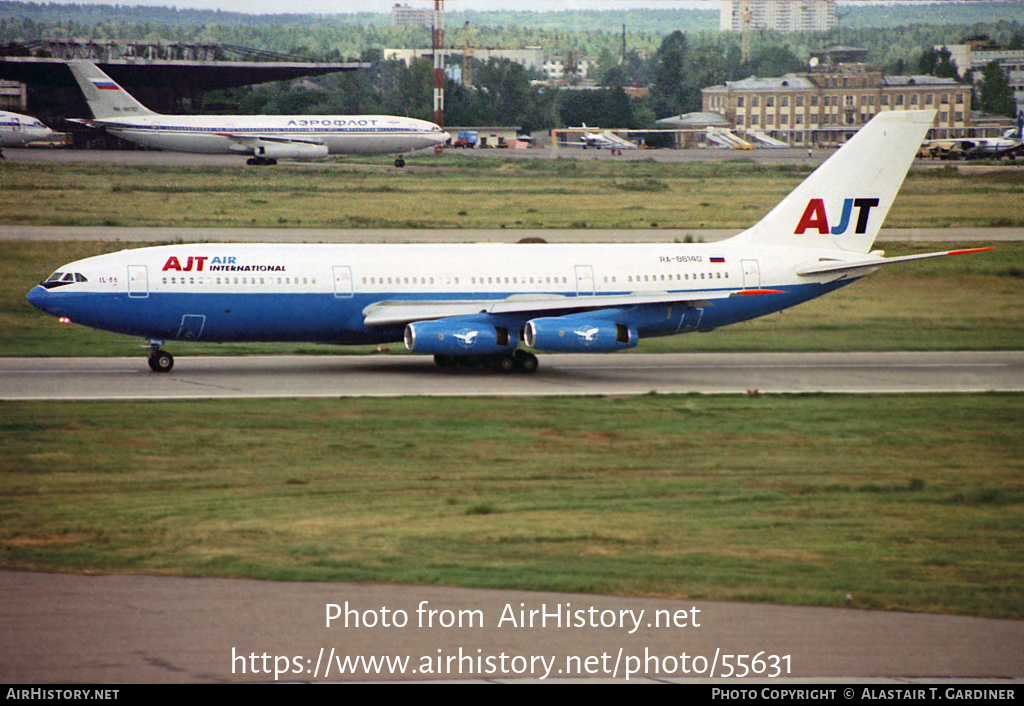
x: 439, y: 62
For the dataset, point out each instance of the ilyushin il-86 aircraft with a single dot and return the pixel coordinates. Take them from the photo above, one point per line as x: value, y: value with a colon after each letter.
x: 479, y: 303
x: 265, y: 138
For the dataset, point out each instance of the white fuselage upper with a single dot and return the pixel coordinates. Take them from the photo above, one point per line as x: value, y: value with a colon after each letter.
x: 451, y: 271
x: 342, y: 134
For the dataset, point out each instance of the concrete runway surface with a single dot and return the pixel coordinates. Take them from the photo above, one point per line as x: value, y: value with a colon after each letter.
x: 62, y: 628
x: 577, y: 374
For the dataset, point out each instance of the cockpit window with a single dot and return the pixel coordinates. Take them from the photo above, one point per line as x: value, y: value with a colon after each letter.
x: 59, y: 279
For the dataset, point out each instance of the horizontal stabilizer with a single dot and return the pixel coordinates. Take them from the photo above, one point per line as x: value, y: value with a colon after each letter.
x: 830, y: 266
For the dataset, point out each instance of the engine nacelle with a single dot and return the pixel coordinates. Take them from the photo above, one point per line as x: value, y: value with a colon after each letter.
x: 453, y: 337
x: 572, y: 335
x: 290, y: 150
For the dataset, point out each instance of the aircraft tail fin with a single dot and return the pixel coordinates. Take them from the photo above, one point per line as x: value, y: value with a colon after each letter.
x: 843, y: 203
x: 105, y: 97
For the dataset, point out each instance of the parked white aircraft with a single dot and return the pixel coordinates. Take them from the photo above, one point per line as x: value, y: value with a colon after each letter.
x: 477, y: 303
x: 594, y: 139
x: 1010, y: 145
x: 266, y: 138
x: 17, y: 129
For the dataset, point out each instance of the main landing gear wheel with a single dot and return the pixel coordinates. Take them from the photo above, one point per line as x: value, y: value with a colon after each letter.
x: 444, y: 361
x: 161, y: 361
x: 520, y: 361
x: 502, y: 364
x: 526, y: 362
x: 399, y: 162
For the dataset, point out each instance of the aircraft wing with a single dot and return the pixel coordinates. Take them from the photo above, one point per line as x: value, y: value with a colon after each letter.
x: 391, y: 313
x: 829, y: 266
x: 254, y: 143
x: 250, y: 140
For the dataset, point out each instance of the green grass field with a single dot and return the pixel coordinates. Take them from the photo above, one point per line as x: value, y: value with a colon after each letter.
x: 468, y: 192
x: 906, y: 502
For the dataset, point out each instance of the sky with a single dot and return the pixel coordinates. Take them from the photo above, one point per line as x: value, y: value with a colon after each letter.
x: 330, y: 7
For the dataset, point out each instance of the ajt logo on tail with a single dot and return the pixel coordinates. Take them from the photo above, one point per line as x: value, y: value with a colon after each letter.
x: 815, y: 216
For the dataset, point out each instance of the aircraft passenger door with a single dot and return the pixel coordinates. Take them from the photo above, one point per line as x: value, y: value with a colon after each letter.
x: 584, y: 280
x: 138, y: 281
x: 751, y: 274
x: 342, y: 281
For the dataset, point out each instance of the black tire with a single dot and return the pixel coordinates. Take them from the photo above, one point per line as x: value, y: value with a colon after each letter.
x: 161, y: 362
x: 526, y: 362
x: 503, y: 363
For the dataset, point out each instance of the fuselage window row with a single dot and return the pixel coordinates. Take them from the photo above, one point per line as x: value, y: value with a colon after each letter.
x: 424, y: 281
x: 251, y: 281
x: 515, y: 280
x: 678, y: 277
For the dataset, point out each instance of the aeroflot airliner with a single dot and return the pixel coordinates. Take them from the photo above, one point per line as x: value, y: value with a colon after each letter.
x: 478, y: 303
x: 266, y: 138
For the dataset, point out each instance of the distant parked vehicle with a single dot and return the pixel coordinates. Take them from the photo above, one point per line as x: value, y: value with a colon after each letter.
x: 467, y: 138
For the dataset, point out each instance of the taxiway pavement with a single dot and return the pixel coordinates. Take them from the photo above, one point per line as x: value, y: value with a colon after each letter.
x: 574, y: 374
x: 66, y: 629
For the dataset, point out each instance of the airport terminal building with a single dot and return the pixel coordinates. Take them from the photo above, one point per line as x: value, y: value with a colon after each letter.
x: 826, y: 108
x: 837, y: 97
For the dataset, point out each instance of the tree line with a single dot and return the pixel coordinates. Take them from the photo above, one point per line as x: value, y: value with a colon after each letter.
x: 507, y: 93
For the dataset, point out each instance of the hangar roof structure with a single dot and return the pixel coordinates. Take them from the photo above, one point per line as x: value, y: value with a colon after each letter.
x: 161, y: 83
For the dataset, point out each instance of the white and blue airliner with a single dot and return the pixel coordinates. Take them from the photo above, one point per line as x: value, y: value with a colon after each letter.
x: 488, y: 303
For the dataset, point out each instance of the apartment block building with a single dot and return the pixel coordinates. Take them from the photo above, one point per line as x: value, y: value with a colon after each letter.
x: 778, y: 15
x: 978, y: 52
x: 405, y: 16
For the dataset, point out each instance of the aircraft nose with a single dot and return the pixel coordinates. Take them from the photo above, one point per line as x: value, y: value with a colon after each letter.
x: 42, y: 299
x: 36, y: 296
